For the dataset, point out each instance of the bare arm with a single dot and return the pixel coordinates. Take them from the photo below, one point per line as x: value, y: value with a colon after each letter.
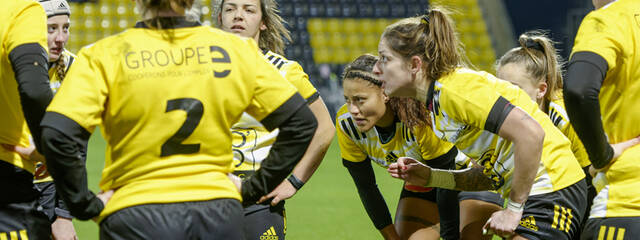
x: 527, y: 137
x: 472, y: 179
x: 319, y: 144
x: 312, y: 157
x: 416, y: 173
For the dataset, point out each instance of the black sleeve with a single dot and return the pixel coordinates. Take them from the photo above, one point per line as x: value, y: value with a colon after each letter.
x: 291, y: 143
x: 61, y: 209
x: 313, y: 98
x: 365, y: 180
x: 501, y: 108
x: 585, y: 74
x: 63, y: 144
x: 447, y: 200
x: 29, y: 62
x: 284, y: 112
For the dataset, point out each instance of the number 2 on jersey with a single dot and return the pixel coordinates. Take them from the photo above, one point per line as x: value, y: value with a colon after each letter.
x: 194, y: 110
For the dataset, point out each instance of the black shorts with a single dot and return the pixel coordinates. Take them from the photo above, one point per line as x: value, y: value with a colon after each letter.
x: 23, y: 220
x: 485, y: 196
x: 265, y: 222
x: 591, y: 193
x: 431, y: 196
x: 448, y: 209
x: 619, y: 228
x: 555, y: 215
x: 213, y: 219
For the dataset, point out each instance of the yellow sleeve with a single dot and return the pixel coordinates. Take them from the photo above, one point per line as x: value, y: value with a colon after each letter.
x: 83, y: 95
x: 28, y: 26
x: 600, y: 34
x: 271, y: 90
x: 348, y: 149
x: 430, y: 145
x: 296, y: 76
x: 576, y: 146
x: 467, y: 98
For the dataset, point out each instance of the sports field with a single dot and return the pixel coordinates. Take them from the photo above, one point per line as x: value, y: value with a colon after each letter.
x: 328, y: 207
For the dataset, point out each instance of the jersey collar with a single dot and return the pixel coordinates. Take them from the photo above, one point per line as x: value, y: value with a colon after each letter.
x: 178, y: 22
x: 430, y: 96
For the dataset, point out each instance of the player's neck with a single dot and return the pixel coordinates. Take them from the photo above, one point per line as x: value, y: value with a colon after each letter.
x: 387, y: 119
x: 422, y: 88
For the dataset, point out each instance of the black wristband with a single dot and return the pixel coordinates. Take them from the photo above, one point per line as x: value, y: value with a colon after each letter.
x: 297, y: 183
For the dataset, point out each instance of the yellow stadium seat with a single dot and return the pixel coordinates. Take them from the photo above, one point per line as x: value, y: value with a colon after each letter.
x: 336, y: 40
x: 366, y: 26
x: 333, y: 25
x: 318, y: 40
x: 370, y: 42
x: 380, y: 25
x: 321, y: 55
x: 315, y: 25
x: 353, y: 40
x: 350, y: 25
x: 339, y: 55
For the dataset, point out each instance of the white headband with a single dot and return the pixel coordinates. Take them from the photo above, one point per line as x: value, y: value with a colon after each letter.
x: 56, y: 7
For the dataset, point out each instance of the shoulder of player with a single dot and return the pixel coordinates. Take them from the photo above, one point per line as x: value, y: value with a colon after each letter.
x: 16, y: 7
x: 461, y: 82
x: 611, y: 14
x: 343, y: 113
x: 462, y: 77
x: 557, y: 113
x: 279, y: 61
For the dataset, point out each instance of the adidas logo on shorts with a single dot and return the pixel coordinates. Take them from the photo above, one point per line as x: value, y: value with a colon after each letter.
x: 270, y: 234
x: 529, y: 222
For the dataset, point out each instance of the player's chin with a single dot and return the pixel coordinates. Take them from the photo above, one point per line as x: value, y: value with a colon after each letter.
x: 363, y: 125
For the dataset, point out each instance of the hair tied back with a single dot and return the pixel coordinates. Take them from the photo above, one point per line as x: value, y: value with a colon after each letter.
x: 532, y: 44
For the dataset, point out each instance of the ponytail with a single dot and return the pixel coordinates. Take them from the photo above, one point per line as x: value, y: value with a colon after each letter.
x: 541, y: 61
x: 432, y: 37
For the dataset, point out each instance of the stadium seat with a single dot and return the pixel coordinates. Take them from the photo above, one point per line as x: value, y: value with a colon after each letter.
x: 350, y: 25
x: 398, y: 10
x: 365, y: 10
x: 319, y: 40
x: 317, y: 10
x: 349, y: 10
x: 381, y: 10
x: 316, y: 25
x: 301, y: 10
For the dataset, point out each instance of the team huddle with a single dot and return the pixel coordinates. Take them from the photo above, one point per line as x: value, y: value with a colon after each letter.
x: 210, y: 130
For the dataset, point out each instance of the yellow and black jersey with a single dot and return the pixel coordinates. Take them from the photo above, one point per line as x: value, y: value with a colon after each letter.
x: 613, y: 32
x: 165, y: 109
x: 21, y: 22
x: 462, y: 112
x: 560, y: 119
x: 356, y: 146
x: 251, y: 141
x: 55, y: 80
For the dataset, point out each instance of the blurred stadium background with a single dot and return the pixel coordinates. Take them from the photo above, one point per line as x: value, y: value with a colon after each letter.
x: 326, y: 34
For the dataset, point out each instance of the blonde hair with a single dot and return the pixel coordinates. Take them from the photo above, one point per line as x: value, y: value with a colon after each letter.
x: 432, y: 37
x: 541, y: 61
x: 273, y: 38
x: 410, y: 111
